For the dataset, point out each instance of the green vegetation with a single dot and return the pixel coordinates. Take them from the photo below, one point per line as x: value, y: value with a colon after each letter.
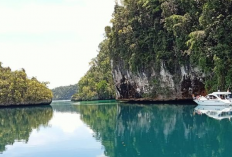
x: 16, y: 88
x: 176, y: 32
x: 64, y: 92
x: 97, y: 84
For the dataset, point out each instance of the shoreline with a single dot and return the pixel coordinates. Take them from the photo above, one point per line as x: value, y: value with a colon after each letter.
x: 26, y: 104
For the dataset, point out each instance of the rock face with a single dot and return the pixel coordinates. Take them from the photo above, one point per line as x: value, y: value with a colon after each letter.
x: 149, y: 85
x: 32, y: 103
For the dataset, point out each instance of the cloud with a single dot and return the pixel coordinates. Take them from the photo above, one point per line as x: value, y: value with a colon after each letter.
x: 53, y: 40
x: 39, y: 18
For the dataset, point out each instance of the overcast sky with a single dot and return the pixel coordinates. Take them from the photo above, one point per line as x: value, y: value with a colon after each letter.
x: 53, y: 40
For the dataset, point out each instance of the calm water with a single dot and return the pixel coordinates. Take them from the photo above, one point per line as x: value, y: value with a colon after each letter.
x: 97, y: 129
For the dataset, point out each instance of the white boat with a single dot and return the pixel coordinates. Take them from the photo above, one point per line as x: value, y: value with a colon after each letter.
x: 215, y: 98
x: 216, y: 112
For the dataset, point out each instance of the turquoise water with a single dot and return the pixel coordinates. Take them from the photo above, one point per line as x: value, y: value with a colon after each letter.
x: 111, y: 129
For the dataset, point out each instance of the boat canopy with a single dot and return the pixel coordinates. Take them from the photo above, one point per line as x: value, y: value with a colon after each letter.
x: 220, y: 93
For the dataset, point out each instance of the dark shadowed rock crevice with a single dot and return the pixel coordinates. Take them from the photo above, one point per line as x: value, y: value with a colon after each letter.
x: 159, y: 85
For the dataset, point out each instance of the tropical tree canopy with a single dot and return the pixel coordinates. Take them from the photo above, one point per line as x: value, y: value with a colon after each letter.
x: 17, y: 88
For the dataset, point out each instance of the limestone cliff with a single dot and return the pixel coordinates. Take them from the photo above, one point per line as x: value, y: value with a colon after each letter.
x: 159, y: 49
x: 149, y: 85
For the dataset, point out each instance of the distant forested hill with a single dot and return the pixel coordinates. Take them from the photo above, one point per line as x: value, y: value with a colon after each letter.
x: 17, y: 89
x: 64, y: 92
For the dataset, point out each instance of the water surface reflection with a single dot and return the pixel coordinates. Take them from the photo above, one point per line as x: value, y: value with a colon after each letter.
x: 16, y: 124
x: 98, y: 129
x: 158, y: 130
x: 49, y: 131
x: 216, y: 112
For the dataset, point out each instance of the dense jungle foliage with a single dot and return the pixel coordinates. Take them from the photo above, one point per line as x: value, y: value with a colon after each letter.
x: 97, y: 84
x: 191, y: 33
x: 175, y: 32
x: 17, y: 88
x: 64, y: 92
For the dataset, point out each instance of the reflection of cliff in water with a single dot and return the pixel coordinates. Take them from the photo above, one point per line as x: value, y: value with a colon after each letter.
x: 147, y: 130
x: 163, y: 130
x: 102, y: 120
x: 16, y: 124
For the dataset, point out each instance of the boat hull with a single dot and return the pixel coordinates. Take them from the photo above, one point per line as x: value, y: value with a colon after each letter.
x: 212, y: 103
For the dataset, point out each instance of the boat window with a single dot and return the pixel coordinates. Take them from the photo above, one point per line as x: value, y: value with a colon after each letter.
x: 226, y: 114
x: 229, y: 96
x: 212, y: 97
x: 212, y: 113
x: 222, y: 96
